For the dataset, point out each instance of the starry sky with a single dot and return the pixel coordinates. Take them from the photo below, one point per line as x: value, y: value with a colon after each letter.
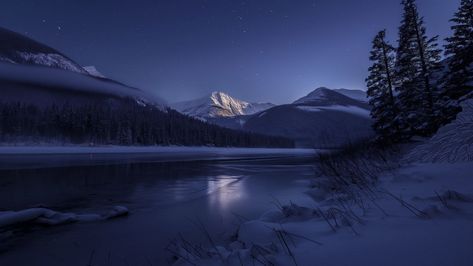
x: 257, y: 50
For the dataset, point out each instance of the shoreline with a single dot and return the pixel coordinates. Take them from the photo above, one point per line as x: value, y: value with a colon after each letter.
x: 53, y: 149
x: 22, y: 157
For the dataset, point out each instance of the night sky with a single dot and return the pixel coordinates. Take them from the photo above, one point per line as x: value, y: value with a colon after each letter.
x: 258, y: 50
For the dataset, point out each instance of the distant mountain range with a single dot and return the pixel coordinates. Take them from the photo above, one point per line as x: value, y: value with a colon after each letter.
x: 50, y: 97
x: 35, y: 73
x: 323, y: 118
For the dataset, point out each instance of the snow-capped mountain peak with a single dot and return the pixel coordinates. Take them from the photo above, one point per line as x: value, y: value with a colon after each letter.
x: 226, y: 102
x: 219, y: 104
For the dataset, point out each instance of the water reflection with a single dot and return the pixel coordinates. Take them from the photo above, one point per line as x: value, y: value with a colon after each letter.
x: 87, y: 186
x: 225, y: 190
x: 165, y: 200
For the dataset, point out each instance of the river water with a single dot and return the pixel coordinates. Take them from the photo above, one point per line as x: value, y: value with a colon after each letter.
x: 166, y: 200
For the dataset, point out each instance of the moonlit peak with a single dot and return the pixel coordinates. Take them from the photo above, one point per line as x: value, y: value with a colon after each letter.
x: 219, y: 104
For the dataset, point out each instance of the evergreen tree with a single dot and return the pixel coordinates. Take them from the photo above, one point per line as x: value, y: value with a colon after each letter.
x: 418, y: 60
x: 380, y: 88
x: 459, y: 50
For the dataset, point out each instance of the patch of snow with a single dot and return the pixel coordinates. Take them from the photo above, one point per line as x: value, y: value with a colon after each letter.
x: 308, y: 108
x: 91, y: 70
x: 50, y: 217
x: 50, y: 60
x: 341, y: 108
x: 8, y: 60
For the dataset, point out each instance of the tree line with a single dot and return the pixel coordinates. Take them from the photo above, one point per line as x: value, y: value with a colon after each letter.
x: 412, y: 90
x: 123, y: 122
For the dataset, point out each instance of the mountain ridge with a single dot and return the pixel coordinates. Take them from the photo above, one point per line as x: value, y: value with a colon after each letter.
x: 219, y: 104
x: 322, y: 119
x: 18, y: 49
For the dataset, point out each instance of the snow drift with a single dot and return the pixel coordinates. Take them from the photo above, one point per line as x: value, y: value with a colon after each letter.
x: 452, y: 143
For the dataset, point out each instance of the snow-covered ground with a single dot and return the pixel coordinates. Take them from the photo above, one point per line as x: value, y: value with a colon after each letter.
x: 426, y: 219
x: 452, y: 143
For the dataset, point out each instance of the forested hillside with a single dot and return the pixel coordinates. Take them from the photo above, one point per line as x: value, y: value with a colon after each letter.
x: 122, y: 123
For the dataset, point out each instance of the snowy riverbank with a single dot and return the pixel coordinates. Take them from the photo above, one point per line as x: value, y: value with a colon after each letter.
x: 425, y: 217
x: 368, y: 209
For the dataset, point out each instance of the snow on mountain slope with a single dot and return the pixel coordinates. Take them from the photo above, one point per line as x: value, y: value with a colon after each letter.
x: 49, y: 60
x: 18, y: 49
x: 354, y: 94
x: 219, y: 104
x: 452, y: 143
x: 92, y: 70
x: 39, y: 84
x: 348, y: 109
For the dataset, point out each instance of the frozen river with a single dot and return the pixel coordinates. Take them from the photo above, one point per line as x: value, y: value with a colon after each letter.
x: 167, y: 195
